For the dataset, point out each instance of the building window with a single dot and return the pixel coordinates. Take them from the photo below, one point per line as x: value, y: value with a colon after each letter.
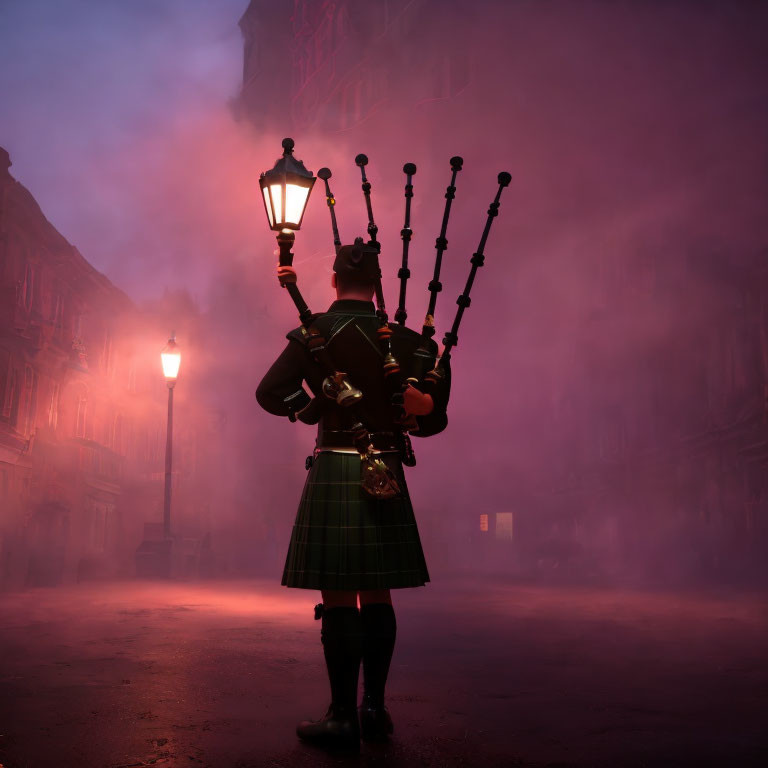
x: 99, y: 514
x: 11, y: 400
x: 155, y: 441
x: 117, y: 434
x: 129, y: 437
x: 106, y: 357
x: 82, y: 409
x: 5, y: 381
x: 449, y: 76
x: 342, y: 22
x: 53, y: 408
x: 505, y: 524
x: 350, y: 104
x: 30, y: 398
x: 27, y: 292
x: 251, y: 60
x: 57, y: 316
x: 484, y: 523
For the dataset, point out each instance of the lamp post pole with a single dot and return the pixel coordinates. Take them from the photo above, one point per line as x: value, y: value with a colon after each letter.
x: 168, y: 464
x: 170, y: 358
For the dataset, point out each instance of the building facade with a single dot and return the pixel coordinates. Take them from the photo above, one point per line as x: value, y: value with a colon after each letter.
x: 82, y: 411
x: 647, y: 436
x: 656, y: 468
x: 333, y: 67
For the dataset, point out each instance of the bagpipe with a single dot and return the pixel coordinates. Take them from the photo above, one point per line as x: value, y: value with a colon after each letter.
x: 286, y: 189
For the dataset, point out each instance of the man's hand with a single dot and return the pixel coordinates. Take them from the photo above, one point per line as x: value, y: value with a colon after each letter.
x: 417, y: 403
x: 311, y: 412
x: 286, y: 275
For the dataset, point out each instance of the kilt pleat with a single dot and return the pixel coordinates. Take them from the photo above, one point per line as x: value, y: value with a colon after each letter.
x: 345, y: 539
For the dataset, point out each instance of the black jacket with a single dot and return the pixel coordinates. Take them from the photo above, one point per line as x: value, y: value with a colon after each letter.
x: 349, y: 327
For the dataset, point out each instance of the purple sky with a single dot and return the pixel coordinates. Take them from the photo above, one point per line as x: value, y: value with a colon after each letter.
x: 95, y: 92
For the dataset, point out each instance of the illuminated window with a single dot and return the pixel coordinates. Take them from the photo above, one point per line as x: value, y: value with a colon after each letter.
x: 504, y: 525
x: 483, y: 522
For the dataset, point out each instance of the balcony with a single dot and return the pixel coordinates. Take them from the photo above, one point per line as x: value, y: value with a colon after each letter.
x: 100, y: 466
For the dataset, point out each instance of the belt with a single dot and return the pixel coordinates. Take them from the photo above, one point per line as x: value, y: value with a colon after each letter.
x: 332, y: 439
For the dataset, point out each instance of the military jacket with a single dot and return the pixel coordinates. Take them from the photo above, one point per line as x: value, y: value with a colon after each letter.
x: 349, y: 327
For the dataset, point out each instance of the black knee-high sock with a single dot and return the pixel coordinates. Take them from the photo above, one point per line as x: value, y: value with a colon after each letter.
x: 341, y: 636
x: 379, y: 631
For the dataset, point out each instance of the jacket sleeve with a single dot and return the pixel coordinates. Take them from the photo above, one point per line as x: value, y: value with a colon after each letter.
x: 437, y: 420
x: 281, y: 391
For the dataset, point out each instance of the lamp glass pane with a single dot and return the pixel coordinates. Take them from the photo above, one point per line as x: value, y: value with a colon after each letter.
x: 277, y: 203
x: 295, y: 200
x: 269, y: 207
x: 171, y: 362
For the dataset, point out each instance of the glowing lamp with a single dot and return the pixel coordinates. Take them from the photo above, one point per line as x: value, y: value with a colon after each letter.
x: 285, y: 189
x: 171, y: 360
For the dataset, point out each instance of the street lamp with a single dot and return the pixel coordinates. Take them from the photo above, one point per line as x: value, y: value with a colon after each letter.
x: 285, y: 189
x: 170, y: 357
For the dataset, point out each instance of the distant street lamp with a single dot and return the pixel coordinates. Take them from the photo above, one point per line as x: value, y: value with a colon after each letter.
x: 286, y: 189
x: 171, y: 360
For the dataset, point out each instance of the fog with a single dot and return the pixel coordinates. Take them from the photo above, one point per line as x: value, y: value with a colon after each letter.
x: 622, y: 276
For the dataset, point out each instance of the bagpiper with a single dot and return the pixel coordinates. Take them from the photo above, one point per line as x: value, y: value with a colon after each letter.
x: 346, y: 542
x: 371, y: 385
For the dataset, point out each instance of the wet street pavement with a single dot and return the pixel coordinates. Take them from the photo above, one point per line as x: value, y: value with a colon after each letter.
x: 217, y: 674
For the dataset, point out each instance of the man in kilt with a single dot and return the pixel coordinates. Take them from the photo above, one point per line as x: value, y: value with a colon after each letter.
x: 345, y: 542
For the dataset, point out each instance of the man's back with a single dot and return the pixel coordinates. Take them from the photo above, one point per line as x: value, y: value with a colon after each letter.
x: 350, y: 331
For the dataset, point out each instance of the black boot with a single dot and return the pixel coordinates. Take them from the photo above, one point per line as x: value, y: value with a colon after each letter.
x: 342, y: 646
x: 379, y: 630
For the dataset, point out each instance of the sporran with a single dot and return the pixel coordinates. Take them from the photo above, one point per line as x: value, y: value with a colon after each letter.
x: 377, y: 479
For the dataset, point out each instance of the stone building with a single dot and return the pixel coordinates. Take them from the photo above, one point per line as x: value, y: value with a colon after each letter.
x: 332, y: 67
x: 647, y: 435
x: 658, y: 469
x: 82, y: 410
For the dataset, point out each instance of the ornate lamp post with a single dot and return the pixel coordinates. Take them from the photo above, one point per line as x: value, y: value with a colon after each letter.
x: 171, y: 360
x: 286, y: 189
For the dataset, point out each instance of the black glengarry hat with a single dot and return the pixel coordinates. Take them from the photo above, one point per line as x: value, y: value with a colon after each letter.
x: 359, y: 262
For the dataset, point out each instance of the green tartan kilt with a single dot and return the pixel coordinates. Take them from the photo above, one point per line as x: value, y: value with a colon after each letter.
x: 345, y: 539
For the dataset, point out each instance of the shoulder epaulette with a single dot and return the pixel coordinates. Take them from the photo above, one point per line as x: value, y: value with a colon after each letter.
x: 300, y: 334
